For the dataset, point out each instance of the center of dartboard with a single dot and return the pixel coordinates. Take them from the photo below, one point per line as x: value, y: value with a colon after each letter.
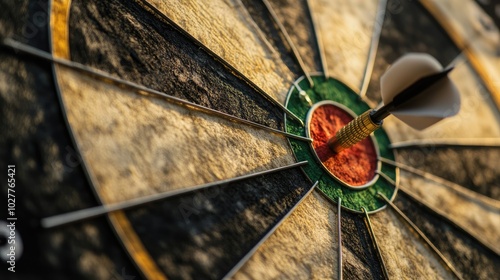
x: 355, y: 167
x: 355, y: 176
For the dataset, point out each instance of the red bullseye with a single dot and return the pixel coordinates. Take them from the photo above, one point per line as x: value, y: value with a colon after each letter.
x: 356, y: 166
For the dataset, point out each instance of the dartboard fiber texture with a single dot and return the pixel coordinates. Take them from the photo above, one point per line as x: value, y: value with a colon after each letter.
x: 80, y: 141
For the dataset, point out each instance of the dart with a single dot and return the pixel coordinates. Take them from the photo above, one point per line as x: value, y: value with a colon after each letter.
x: 415, y: 89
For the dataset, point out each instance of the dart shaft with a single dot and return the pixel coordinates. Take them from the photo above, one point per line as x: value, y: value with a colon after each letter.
x: 362, y: 126
x: 379, y: 115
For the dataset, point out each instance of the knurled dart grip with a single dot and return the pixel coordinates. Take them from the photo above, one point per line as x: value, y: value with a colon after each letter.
x: 355, y: 131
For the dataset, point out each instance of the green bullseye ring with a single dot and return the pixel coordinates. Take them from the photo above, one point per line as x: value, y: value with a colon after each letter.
x: 333, y: 90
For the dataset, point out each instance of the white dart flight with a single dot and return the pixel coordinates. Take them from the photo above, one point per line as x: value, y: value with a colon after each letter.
x: 415, y: 89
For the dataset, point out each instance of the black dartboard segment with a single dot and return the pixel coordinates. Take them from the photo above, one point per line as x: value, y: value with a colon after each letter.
x: 49, y: 176
x: 474, y: 168
x: 203, y: 235
x: 408, y: 27
x: 471, y: 258
x: 126, y: 39
x: 492, y: 8
x: 359, y: 244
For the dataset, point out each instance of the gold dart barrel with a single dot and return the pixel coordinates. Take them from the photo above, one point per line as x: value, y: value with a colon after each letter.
x: 355, y: 131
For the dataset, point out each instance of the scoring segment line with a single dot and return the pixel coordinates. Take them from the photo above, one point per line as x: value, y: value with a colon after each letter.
x: 18, y: 46
x: 92, y: 212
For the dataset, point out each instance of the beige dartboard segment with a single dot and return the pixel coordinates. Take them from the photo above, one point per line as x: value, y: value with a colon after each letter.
x: 123, y: 228
x: 235, y: 37
x: 475, y: 33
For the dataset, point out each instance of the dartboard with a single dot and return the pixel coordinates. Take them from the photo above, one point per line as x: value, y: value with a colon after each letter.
x: 182, y: 139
